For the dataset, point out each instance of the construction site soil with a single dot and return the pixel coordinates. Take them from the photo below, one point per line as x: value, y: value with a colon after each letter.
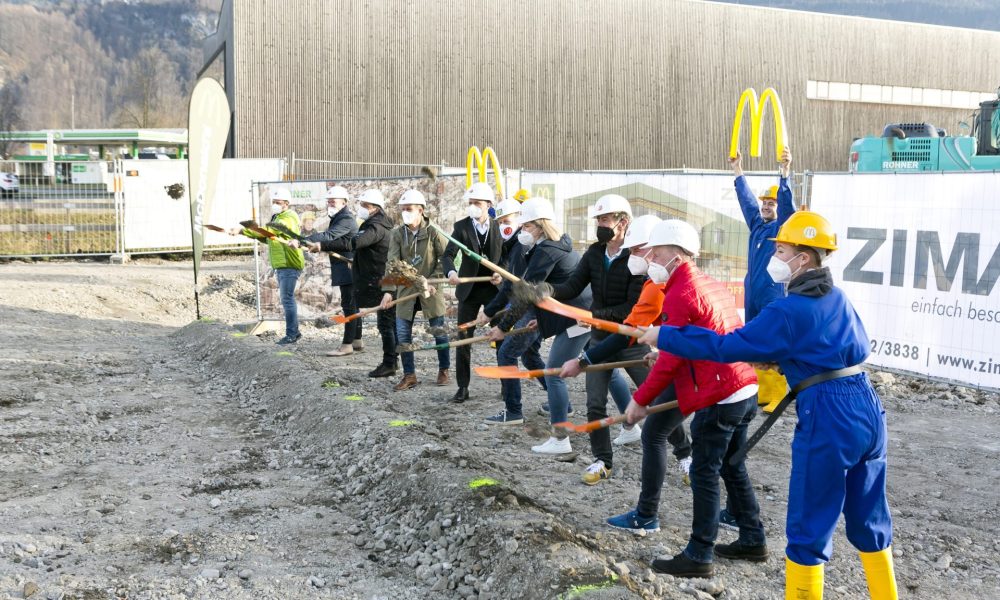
x: 148, y: 455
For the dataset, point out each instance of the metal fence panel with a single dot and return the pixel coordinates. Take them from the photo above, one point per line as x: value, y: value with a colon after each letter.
x: 70, y: 211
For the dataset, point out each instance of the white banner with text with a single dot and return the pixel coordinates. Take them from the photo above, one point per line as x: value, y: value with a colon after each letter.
x: 919, y: 258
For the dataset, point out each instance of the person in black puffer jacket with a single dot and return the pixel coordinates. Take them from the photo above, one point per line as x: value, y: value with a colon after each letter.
x: 370, y: 248
x: 615, y: 290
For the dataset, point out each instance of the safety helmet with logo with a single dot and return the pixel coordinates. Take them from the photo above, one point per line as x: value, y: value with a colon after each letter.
x: 534, y: 209
x: 281, y: 195
x: 521, y: 195
x: 481, y: 191
x: 374, y: 197
x: 806, y: 228
x: 674, y: 232
x: 770, y: 194
x: 337, y: 191
x: 639, y: 230
x: 412, y: 197
x: 609, y: 203
x: 508, y: 206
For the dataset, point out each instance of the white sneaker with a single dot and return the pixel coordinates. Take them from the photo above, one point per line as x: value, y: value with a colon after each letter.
x: 554, y: 445
x: 627, y: 436
x: 684, y: 466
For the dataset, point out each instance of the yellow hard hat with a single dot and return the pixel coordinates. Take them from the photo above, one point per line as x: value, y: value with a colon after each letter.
x: 522, y: 195
x: 770, y: 194
x: 806, y: 228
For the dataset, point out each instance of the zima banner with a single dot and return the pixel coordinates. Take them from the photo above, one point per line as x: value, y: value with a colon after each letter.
x: 208, y: 128
x: 919, y: 258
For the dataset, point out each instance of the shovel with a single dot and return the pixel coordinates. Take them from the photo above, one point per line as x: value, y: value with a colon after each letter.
x: 513, y: 372
x: 473, y: 323
x: 585, y: 316
x: 472, y: 340
x: 406, y: 281
x: 341, y: 319
x: 291, y: 234
x: 608, y: 422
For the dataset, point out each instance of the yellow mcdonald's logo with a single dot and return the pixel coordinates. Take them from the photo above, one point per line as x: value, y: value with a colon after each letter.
x: 757, y: 109
x: 477, y: 160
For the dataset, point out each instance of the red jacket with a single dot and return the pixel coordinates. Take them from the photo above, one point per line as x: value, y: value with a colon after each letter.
x: 693, y: 298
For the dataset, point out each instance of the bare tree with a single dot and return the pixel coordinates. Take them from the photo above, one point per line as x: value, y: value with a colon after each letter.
x: 10, y: 114
x: 149, y: 94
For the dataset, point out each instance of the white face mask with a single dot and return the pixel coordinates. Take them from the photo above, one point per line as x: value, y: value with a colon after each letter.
x: 363, y: 213
x: 659, y: 274
x: 507, y: 231
x: 526, y: 238
x: 409, y: 218
x: 637, y: 265
x: 330, y: 210
x: 779, y: 270
x: 475, y: 213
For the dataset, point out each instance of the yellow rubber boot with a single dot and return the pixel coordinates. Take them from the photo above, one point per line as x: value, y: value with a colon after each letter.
x: 771, y: 388
x: 880, y: 574
x: 802, y: 582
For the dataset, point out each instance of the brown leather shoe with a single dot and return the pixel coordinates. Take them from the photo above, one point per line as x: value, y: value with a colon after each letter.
x: 408, y: 381
x: 442, y: 377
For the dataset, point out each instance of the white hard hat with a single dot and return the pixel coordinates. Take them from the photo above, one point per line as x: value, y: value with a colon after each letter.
x: 481, y: 191
x: 609, y: 203
x: 508, y: 206
x: 535, y: 208
x: 337, y: 191
x: 373, y: 196
x: 412, y: 197
x: 281, y: 194
x: 638, y: 230
x: 674, y: 232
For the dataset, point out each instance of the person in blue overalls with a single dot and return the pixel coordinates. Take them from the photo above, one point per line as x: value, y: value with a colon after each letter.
x: 839, y: 447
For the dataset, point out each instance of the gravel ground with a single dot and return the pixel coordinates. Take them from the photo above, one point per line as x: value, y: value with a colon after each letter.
x: 146, y: 456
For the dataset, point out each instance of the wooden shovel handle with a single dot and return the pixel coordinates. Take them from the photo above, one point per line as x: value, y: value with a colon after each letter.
x: 364, y: 312
x: 608, y: 422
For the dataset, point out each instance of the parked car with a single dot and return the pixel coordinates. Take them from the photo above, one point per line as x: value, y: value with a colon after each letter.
x: 9, y: 184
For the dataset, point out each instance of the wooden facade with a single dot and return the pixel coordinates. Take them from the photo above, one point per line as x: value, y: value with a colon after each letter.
x: 567, y: 84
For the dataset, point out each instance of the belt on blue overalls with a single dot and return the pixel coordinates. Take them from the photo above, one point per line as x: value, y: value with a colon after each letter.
x: 808, y: 382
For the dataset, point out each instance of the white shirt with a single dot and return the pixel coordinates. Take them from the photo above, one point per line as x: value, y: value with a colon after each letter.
x: 741, y: 394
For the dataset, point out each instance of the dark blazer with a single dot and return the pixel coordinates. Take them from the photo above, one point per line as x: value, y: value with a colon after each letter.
x: 465, y: 232
x: 340, y: 234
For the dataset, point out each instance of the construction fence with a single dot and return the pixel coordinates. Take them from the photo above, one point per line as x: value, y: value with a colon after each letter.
x: 101, y: 208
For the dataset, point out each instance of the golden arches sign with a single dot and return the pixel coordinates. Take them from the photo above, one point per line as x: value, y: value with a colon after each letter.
x: 477, y: 160
x: 757, y: 110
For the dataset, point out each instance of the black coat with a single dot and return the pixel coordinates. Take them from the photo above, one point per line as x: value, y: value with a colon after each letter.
x: 465, y: 232
x: 615, y: 289
x: 371, y: 250
x: 553, y: 262
x: 338, y: 238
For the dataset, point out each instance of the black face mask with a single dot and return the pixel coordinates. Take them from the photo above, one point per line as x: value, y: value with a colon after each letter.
x: 605, y: 234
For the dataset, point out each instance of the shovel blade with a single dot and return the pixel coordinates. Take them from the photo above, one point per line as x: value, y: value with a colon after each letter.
x: 341, y: 319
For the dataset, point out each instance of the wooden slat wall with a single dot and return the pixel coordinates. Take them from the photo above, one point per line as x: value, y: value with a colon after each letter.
x: 571, y: 84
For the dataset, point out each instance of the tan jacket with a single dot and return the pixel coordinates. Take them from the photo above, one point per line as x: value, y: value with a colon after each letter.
x: 428, y: 245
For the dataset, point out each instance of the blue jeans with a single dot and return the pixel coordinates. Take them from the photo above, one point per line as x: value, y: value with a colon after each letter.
x: 512, y: 348
x: 620, y: 391
x: 287, y: 278
x: 717, y: 432
x: 563, y: 348
x: 404, y: 335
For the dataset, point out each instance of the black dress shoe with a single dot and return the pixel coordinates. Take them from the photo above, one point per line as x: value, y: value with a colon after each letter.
x: 682, y: 566
x: 383, y: 370
x: 461, y: 395
x: 738, y: 551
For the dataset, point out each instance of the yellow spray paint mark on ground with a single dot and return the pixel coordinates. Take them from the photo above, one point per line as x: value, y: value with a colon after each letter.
x: 482, y: 482
x: 398, y: 423
x: 238, y: 334
x: 579, y: 590
x: 331, y: 384
x: 283, y: 353
x: 206, y: 320
x: 354, y: 398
